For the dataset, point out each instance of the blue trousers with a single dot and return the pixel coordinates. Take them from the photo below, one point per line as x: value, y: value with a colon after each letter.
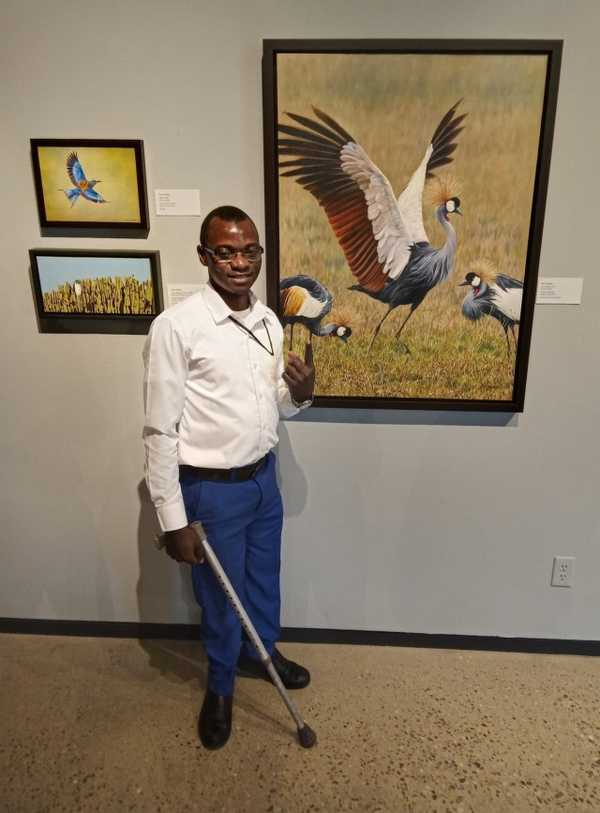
x: 243, y: 523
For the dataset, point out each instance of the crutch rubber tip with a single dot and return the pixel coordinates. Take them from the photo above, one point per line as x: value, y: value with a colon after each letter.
x: 307, y: 736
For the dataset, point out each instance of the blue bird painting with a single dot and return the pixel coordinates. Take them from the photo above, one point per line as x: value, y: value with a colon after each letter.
x: 81, y: 186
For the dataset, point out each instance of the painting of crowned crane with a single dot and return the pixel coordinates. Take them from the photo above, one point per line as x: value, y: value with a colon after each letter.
x: 396, y: 173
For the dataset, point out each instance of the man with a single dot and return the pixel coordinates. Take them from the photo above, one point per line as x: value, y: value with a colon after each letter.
x: 215, y: 384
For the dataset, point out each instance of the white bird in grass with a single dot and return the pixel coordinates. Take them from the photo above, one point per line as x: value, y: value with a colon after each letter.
x: 493, y: 294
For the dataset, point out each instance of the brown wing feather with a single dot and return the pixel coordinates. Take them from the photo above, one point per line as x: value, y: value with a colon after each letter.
x: 314, y: 160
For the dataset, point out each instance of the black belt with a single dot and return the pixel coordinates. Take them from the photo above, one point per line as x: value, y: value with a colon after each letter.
x: 223, y: 475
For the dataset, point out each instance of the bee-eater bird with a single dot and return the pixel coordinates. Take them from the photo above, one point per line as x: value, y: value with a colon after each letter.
x: 81, y: 185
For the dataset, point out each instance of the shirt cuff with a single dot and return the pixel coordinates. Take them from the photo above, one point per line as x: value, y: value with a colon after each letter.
x: 301, y: 404
x: 172, y: 517
x: 287, y: 407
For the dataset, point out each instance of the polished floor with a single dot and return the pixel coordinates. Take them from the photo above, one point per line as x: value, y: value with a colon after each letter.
x: 92, y: 724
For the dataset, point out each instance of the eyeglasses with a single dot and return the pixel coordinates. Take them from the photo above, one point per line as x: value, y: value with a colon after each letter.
x: 224, y: 254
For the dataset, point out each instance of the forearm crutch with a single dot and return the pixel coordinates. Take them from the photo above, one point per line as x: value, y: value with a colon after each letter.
x: 306, y: 735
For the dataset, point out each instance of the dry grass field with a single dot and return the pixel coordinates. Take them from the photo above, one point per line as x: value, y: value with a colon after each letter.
x: 114, y: 295
x: 392, y: 105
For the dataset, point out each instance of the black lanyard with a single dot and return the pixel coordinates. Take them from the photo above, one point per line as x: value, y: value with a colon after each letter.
x: 256, y: 339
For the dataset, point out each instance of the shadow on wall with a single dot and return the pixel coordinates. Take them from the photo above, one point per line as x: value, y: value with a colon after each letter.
x: 163, y: 588
x: 294, y: 487
x: 408, y: 417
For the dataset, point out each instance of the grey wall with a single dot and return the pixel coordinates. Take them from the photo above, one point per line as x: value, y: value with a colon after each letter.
x: 425, y: 522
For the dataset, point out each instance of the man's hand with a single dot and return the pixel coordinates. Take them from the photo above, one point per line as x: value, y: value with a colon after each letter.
x: 184, y: 545
x: 300, y: 375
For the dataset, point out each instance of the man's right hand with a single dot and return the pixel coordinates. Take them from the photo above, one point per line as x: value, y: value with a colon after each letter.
x: 184, y: 545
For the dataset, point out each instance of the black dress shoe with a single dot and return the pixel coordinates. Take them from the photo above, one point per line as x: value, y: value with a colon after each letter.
x: 293, y: 676
x: 214, y: 722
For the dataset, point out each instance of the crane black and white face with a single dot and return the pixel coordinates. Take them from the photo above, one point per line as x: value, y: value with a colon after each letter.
x: 474, y: 281
x: 453, y: 206
x: 343, y: 332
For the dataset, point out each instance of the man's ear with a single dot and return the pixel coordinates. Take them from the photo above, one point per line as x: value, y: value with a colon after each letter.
x: 202, y: 255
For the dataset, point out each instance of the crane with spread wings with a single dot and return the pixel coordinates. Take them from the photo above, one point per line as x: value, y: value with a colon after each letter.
x: 383, y: 238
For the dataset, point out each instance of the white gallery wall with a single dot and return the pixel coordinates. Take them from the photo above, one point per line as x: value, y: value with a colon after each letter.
x: 410, y: 521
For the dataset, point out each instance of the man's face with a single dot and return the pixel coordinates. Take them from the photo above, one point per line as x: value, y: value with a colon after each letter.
x: 237, y: 275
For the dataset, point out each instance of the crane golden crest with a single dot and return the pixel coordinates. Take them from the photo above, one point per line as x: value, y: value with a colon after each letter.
x: 485, y: 269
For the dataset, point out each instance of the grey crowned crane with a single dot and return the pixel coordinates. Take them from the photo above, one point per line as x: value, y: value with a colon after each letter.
x: 383, y: 239
x: 493, y: 294
x: 306, y: 301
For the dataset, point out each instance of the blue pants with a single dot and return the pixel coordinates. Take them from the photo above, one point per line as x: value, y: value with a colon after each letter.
x: 243, y: 524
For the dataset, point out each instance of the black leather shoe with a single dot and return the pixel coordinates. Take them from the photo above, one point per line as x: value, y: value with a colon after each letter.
x: 214, y: 722
x: 293, y: 676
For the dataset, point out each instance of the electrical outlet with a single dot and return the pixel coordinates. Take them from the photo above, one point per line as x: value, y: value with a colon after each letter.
x: 562, y: 571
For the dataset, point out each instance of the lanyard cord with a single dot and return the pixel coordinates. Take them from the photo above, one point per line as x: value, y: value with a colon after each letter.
x: 256, y: 339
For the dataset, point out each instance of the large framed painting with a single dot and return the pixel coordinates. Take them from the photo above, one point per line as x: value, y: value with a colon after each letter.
x: 405, y: 190
x: 90, y: 187
x: 96, y: 291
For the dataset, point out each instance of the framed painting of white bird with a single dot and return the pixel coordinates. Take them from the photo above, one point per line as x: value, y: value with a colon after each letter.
x: 405, y: 189
x: 95, y: 291
x: 90, y: 187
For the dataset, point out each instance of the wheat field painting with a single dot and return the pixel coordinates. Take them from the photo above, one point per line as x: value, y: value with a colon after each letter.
x: 405, y: 188
x: 96, y: 291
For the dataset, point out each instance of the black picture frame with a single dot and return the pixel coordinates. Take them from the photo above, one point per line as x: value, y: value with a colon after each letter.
x: 87, y: 322
x: 70, y: 226
x: 272, y: 49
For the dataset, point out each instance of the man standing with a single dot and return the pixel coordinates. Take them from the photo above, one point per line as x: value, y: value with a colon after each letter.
x: 215, y: 384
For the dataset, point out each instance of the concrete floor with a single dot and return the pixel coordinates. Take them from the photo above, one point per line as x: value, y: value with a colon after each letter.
x: 91, y: 724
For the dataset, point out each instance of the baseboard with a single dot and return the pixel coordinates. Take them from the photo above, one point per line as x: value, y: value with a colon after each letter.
x: 190, y: 632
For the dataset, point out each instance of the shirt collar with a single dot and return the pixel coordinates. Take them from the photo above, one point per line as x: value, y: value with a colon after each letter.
x: 220, y: 310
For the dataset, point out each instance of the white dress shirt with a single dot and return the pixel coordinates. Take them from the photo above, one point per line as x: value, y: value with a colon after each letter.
x: 212, y: 394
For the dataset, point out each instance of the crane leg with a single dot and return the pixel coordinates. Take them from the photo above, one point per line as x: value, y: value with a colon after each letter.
x: 377, y: 329
x: 512, y: 330
x: 410, y: 313
x: 507, y: 344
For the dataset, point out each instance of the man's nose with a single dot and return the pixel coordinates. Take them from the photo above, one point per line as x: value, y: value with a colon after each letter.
x: 239, y: 261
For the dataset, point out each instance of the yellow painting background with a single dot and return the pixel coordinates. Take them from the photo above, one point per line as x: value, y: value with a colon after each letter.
x: 113, y: 166
x: 391, y: 105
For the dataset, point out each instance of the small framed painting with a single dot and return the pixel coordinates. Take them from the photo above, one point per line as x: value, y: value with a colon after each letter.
x: 405, y: 188
x: 90, y: 187
x: 96, y: 291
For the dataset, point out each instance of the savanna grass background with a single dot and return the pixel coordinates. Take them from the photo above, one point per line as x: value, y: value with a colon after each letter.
x: 391, y: 105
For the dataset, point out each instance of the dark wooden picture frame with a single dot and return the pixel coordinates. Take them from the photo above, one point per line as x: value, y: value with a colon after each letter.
x: 311, y: 136
x: 80, y: 292
x: 68, y: 186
